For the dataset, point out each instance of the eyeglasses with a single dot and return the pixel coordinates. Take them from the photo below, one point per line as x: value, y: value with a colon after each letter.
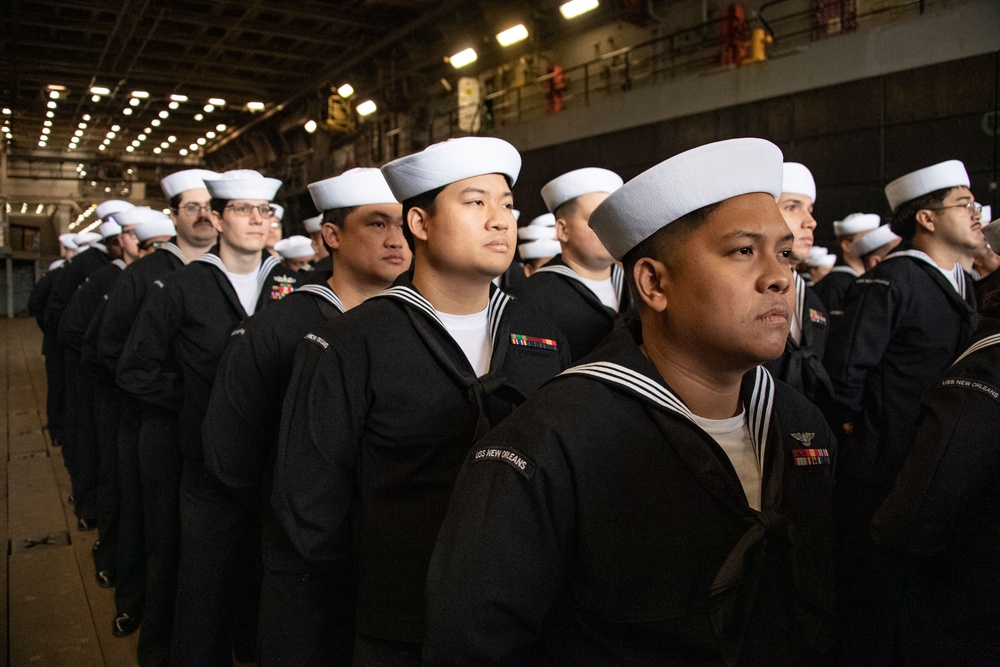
x: 975, y: 208
x: 246, y: 210
x: 149, y: 246
x: 194, y: 208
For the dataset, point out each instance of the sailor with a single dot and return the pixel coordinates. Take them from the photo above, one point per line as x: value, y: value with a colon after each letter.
x: 942, y: 515
x: 904, y: 322
x: 540, y: 243
x: 313, y: 227
x: 96, y: 418
x: 582, y: 288
x: 296, y: 253
x: 666, y: 501
x: 818, y: 265
x: 988, y: 262
x: 831, y: 291
x: 80, y: 446
x: 802, y: 363
x: 385, y: 401
x: 91, y: 256
x: 872, y: 248
x: 306, y: 613
x: 274, y: 230
x: 55, y: 375
x: 169, y: 361
x: 148, y: 457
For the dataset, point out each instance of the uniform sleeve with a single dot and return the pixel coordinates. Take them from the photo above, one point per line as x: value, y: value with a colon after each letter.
x: 859, y: 341
x: 240, y: 423
x: 124, y: 302
x: 76, y: 317
x: 499, y: 565
x: 39, y: 296
x: 63, y: 289
x: 315, y: 472
x: 88, y: 347
x: 955, y: 461
x: 142, y: 369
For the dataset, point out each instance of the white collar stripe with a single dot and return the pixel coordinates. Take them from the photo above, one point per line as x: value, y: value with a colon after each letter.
x: 758, y: 412
x: 323, y: 292
x: 494, y: 309
x: 120, y: 263
x: 986, y: 342
x: 957, y: 272
x: 172, y: 248
x: 800, y: 295
x: 412, y: 297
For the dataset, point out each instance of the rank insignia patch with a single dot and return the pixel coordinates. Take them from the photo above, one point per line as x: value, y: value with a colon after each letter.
x: 532, y: 341
x: 817, y: 317
x: 810, y: 457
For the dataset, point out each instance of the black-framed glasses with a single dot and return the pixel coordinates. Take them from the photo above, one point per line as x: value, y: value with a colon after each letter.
x: 246, y: 210
x: 975, y: 208
x: 193, y: 208
x: 149, y: 245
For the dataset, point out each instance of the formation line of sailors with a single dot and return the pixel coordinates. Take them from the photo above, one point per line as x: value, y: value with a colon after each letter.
x: 649, y: 441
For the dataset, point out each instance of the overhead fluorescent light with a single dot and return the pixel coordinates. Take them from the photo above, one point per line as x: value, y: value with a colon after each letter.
x: 463, y: 58
x: 221, y: 127
x: 164, y: 114
x: 100, y: 90
x: 6, y: 111
x: 134, y: 102
x: 155, y: 122
x: 217, y: 101
x: 366, y: 108
x: 255, y: 106
x: 183, y: 151
x: 127, y: 111
x: 157, y: 150
x: 310, y: 126
x: 512, y: 35
x: 346, y: 90
x: 210, y: 134
x: 54, y: 94
x: 209, y: 108
x: 178, y: 98
x: 95, y: 98
x: 55, y: 86
x: 173, y: 105
x: 51, y: 104
x: 171, y: 138
x: 198, y: 116
x: 116, y: 128
x: 140, y: 94
x: 574, y: 8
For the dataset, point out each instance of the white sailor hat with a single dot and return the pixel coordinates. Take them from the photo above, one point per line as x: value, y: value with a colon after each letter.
x: 536, y: 232
x: 924, y: 181
x: 242, y: 184
x: 68, y: 241
x: 87, y: 238
x: 873, y: 240
x: 578, y: 182
x: 992, y: 234
x: 856, y: 223
x: 826, y: 259
x: 684, y: 183
x: 355, y: 187
x: 313, y: 224
x: 294, y: 247
x: 109, y: 229
x: 181, y: 181
x: 987, y: 213
x: 111, y: 206
x: 817, y: 251
x: 279, y: 210
x: 517, y: 214
x: 538, y: 249
x: 544, y: 220
x: 449, y: 161
x: 150, y: 223
x: 798, y: 180
x: 56, y: 264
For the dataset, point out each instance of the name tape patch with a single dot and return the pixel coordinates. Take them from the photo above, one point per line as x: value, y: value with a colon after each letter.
x: 974, y: 385
x: 319, y: 341
x: 512, y: 458
x: 533, y: 341
x: 810, y: 457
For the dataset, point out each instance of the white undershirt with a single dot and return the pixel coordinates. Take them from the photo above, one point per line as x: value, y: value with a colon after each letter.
x: 949, y: 274
x: 604, y: 290
x: 246, y: 288
x: 472, y: 333
x: 733, y: 436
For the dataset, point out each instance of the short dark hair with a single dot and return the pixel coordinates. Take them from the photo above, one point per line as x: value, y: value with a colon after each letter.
x: 663, y: 244
x: 567, y: 208
x: 904, y: 218
x: 335, y: 216
x: 426, y: 201
x: 218, y: 205
x: 175, y: 201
